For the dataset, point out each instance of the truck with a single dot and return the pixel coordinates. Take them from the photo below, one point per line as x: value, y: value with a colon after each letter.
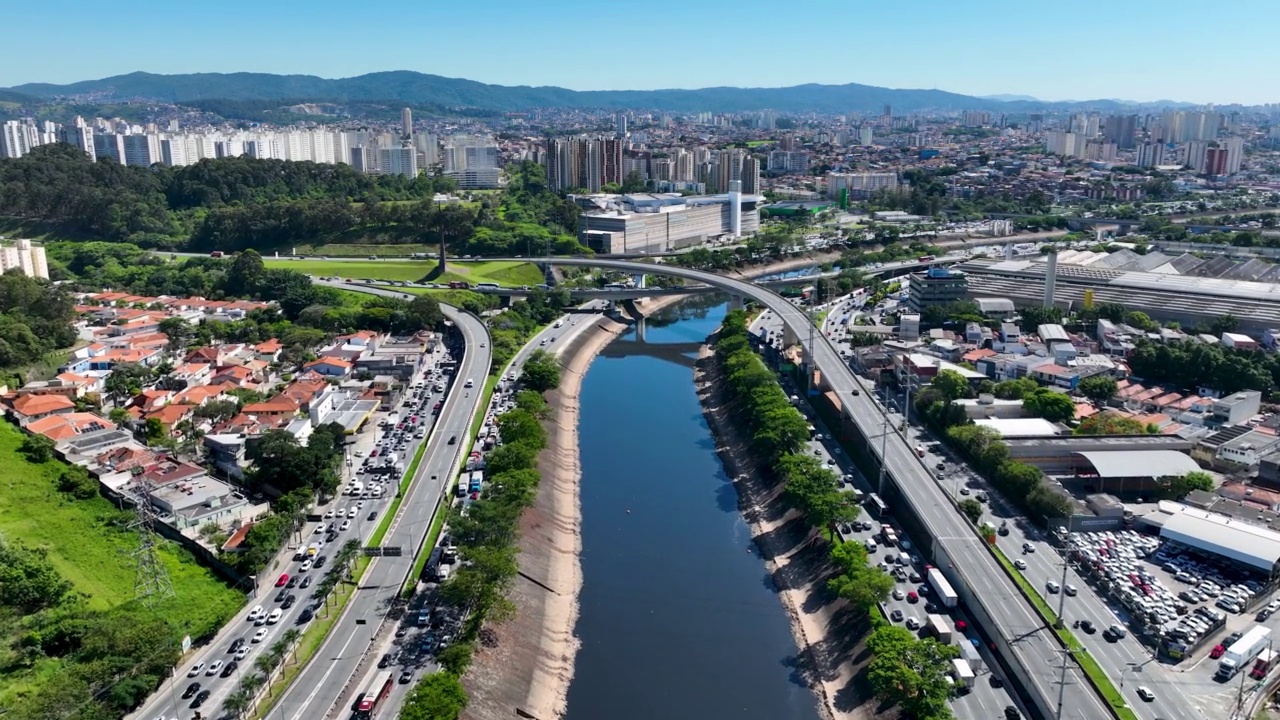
x: 1262, y: 666
x: 1243, y: 651
x: 940, y: 628
x: 888, y: 535
x: 963, y: 675
x: 945, y: 593
x: 462, y: 485
x: 919, y: 451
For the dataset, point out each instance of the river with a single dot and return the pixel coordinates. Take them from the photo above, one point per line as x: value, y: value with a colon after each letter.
x: 678, y: 619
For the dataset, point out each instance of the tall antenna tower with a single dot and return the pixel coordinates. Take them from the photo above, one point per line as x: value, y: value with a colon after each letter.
x: 151, y: 579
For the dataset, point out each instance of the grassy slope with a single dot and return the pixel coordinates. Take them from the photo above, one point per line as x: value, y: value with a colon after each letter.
x: 89, y: 543
x: 501, y: 272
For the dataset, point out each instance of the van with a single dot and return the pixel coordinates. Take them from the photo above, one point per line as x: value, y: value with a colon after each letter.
x: 870, y: 545
x: 443, y: 572
x: 903, y: 559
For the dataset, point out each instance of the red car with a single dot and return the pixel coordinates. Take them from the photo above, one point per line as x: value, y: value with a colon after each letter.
x: 284, y: 578
x: 1217, y: 652
x: 961, y: 626
x: 912, y: 597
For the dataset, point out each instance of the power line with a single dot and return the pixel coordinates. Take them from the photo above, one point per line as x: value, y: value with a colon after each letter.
x: 151, y: 579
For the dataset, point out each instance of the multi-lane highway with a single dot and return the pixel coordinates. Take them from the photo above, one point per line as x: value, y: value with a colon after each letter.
x: 1020, y: 634
x: 346, y: 652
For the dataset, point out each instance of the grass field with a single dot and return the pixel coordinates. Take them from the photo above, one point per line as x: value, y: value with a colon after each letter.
x: 500, y: 272
x: 89, y: 542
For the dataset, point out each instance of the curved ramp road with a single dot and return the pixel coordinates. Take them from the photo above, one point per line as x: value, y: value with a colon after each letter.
x: 989, y: 593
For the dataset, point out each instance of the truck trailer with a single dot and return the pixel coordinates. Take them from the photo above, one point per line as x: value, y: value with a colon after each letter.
x: 940, y: 628
x: 1243, y: 651
x: 946, y: 594
x: 963, y: 675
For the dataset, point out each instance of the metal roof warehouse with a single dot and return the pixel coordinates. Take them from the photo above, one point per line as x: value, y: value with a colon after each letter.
x: 1139, y: 463
x: 1250, y: 545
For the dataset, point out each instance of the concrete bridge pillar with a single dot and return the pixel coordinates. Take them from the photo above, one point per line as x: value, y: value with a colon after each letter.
x: 641, y: 326
x: 735, y: 302
x: 789, y: 337
x: 640, y: 281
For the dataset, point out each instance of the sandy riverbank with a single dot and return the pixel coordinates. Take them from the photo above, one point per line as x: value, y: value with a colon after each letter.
x: 827, y: 631
x: 526, y: 671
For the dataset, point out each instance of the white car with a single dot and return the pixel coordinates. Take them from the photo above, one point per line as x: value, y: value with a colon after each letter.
x: 913, y: 624
x: 351, y: 512
x: 321, y: 528
x: 898, y: 594
x: 195, y: 669
x: 468, y: 383
x: 330, y: 513
x: 1020, y: 564
x: 305, y: 566
x: 260, y: 635
x: 1069, y: 589
x: 345, y: 526
x: 1053, y: 587
x: 214, y: 667
x: 242, y: 653
x: 275, y: 616
x: 255, y: 613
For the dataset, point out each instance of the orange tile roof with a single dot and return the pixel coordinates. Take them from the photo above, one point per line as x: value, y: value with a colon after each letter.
x: 269, y: 346
x: 31, y: 405
x: 336, y: 362
x: 61, y: 427
x: 171, y: 414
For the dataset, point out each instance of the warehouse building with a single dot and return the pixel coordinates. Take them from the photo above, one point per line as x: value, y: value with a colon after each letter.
x: 1251, y: 546
x: 662, y: 222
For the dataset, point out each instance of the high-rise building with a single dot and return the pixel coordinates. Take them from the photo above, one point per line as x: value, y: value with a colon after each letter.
x: 621, y: 124
x: 583, y: 162
x: 1035, y: 122
x: 751, y: 175
x: 728, y: 168
x: 13, y: 139
x: 481, y: 156
x: 78, y: 133
x: 1215, y: 161
x: 976, y: 118
x: 864, y: 135
x: 141, y: 150
x: 398, y: 161
x: 406, y: 123
x: 1235, y: 154
x: 24, y: 256
x: 1151, y: 154
x: 1121, y: 130
x: 860, y: 185
x: 1067, y: 144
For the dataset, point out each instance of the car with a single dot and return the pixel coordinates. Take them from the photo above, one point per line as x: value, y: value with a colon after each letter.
x: 1028, y: 548
x: 1232, y: 638
x: 320, y: 529
x: 195, y: 669
x: 469, y: 383
x: 373, y: 515
x: 964, y: 491
x: 1020, y: 564
x: 898, y: 594
x: 1011, y: 713
x: 1069, y: 589
x: 306, y: 615
x: 260, y: 635
x: 214, y: 667
x: 453, y: 439
x: 289, y: 601
x: 192, y: 689
x: 913, y: 624
x: 912, y: 597
x: 329, y: 514
x: 1217, y: 651
x: 275, y: 616
x: 280, y: 596
x: 345, y: 526
x: 306, y: 582
x: 235, y: 646
x: 1052, y: 587
x: 1115, y: 632
x: 242, y: 653
x: 385, y: 661
x: 1145, y: 693
x: 320, y: 561
x: 896, y: 616
x: 230, y: 668
x: 204, y: 695
x: 351, y: 513
x: 284, y: 578
x: 406, y: 677
x: 1088, y: 627
x: 305, y: 566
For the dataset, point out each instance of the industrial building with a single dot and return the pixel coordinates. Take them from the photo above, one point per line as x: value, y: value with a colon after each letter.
x: 1248, y: 545
x: 1062, y: 454
x: 1165, y: 296
x: 936, y: 286
x: 661, y: 222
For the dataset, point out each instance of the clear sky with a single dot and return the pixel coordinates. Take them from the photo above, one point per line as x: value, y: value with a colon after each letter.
x: 1142, y: 50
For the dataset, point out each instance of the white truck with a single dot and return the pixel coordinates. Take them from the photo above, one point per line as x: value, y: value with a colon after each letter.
x: 940, y: 628
x: 946, y: 594
x: 963, y: 675
x: 1243, y: 651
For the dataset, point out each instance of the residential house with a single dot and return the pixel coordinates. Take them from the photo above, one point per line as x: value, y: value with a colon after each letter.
x: 189, y: 374
x: 330, y: 367
x: 268, y: 351
x: 26, y: 409
x: 66, y: 425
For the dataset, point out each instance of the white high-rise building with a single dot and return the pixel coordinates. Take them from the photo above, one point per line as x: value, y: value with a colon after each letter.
x: 24, y: 256
x: 1235, y: 153
x: 864, y: 135
x: 398, y: 161
x: 13, y: 139
x: 78, y: 133
x: 141, y: 150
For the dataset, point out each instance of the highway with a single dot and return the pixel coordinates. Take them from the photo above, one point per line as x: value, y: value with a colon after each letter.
x: 167, y: 702
x: 989, y: 593
x: 345, y: 653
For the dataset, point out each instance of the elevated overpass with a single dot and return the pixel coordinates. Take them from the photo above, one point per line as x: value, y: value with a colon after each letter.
x: 1030, y: 648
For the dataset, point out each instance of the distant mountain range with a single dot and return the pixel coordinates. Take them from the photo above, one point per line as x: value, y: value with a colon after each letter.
x: 413, y: 87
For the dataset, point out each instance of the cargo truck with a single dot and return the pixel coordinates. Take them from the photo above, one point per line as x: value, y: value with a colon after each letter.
x: 963, y: 675
x: 1243, y: 651
x: 1262, y: 666
x: 940, y: 629
x: 946, y: 594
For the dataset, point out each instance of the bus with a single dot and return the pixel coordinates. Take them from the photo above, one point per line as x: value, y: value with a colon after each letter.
x: 925, y: 258
x: 877, y: 506
x: 477, y: 479
x: 375, y: 692
x: 487, y: 285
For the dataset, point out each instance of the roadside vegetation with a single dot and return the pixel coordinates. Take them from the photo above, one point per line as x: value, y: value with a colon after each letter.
x: 905, y: 670
x: 487, y: 536
x: 74, y: 641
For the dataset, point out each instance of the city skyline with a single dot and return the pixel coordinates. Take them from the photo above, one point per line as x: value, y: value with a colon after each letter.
x: 937, y: 46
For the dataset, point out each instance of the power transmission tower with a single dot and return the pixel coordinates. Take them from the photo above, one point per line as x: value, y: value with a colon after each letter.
x: 151, y: 579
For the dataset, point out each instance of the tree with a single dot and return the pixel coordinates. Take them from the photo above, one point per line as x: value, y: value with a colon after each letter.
x: 1015, y: 389
x: 1107, y: 423
x: 28, y: 581
x: 1179, y: 486
x: 541, y: 371
x: 951, y: 385
x: 246, y: 274
x: 439, y: 696
x: 1050, y: 405
x: 75, y: 481
x: 178, y: 330
x: 456, y: 658
x: 37, y: 448
x: 126, y: 380
x: 1142, y: 321
x: 972, y: 509
x: 1099, y: 388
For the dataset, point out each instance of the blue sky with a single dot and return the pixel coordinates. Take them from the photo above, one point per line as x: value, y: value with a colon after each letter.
x: 1130, y: 49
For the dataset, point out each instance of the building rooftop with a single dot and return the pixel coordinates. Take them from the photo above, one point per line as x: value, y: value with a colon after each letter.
x: 1019, y: 427
x: 1139, y: 463
x: 1248, y: 544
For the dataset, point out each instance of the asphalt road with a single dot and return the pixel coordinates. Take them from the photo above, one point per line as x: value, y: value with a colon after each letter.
x: 345, y: 653
x: 989, y: 590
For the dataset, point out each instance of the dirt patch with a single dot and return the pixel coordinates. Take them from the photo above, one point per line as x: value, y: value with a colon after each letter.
x: 828, y: 631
